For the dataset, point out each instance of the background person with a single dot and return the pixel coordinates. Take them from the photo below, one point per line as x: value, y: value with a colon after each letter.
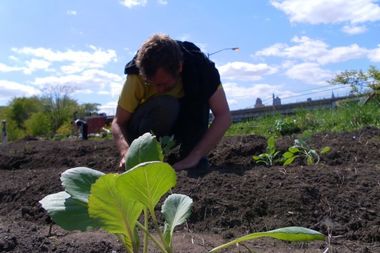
x: 170, y: 88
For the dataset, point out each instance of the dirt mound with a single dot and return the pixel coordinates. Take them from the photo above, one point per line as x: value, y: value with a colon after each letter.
x: 339, y: 196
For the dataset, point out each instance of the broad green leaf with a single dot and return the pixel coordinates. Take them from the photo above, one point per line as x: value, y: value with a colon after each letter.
x: 293, y: 149
x: 325, y: 150
x: 146, y: 148
x: 77, y: 181
x: 271, y: 143
x: 255, y: 157
x: 116, y: 212
x: 147, y: 182
x: 67, y: 212
x: 176, y: 209
x: 288, y: 154
x: 290, y: 160
x: 285, y: 234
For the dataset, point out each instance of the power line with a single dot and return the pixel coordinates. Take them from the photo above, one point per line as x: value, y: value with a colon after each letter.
x: 308, y: 93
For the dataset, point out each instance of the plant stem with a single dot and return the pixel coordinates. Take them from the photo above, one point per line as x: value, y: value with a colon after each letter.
x: 159, y: 245
x: 155, y: 222
x: 146, y: 218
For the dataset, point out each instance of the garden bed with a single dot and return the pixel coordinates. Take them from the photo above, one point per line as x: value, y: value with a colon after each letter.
x: 339, y: 196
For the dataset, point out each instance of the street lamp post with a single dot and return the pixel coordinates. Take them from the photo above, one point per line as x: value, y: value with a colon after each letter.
x: 228, y: 48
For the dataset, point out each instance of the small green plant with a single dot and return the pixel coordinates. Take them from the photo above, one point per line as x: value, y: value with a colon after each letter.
x: 271, y: 154
x: 301, y: 149
x: 286, y: 126
x: 115, y: 202
x: 167, y: 144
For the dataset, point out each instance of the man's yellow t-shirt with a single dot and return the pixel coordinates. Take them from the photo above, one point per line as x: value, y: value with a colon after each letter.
x: 136, y: 91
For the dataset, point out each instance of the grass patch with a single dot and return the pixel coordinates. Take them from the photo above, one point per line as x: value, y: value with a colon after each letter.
x: 344, y: 118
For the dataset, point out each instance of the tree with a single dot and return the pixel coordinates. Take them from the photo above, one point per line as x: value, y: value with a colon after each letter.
x: 20, y: 109
x: 59, y: 106
x: 367, y: 83
x: 38, y: 124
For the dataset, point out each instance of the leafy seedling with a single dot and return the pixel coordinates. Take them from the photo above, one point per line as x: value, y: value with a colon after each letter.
x: 115, y: 202
x: 271, y: 154
x: 301, y: 149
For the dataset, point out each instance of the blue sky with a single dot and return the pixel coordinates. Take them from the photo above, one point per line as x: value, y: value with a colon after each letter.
x: 287, y: 47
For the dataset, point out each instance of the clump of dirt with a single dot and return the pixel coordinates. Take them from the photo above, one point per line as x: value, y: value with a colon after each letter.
x: 340, y: 196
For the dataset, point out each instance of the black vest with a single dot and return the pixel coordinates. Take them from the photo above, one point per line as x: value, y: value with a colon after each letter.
x: 200, y: 80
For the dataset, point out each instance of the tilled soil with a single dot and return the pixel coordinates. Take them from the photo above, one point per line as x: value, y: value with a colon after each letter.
x: 340, y: 196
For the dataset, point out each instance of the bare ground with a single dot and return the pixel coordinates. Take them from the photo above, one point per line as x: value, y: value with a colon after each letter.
x: 339, y: 197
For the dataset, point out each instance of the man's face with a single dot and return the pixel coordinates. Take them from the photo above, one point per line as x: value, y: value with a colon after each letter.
x: 162, y: 81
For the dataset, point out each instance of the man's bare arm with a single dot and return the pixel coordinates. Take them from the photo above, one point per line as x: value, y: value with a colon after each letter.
x: 119, y: 134
x: 220, y: 124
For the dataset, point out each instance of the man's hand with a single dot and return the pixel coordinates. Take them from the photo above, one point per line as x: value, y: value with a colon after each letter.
x: 186, y: 163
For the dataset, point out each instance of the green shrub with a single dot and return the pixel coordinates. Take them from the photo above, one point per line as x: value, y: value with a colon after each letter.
x: 38, y: 124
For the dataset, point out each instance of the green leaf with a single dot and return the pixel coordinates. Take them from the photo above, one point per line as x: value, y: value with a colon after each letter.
x: 290, y: 160
x: 309, y: 160
x: 285, y: 234
x: 147, y: 182
x: 77, y: 181
x: 294, y: 150
x: 288, y: 154
x: 116, y: 212
x: 67, y: 212
x: 144, y: 149
x: 255, y: 157
x: 176, y: 209
x: 271, y: 143
x: 325, y: 150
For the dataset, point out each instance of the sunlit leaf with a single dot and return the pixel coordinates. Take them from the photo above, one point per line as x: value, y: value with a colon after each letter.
x: 290, y: 160
x: 144, y: 149
x: 293, y: 150
x: 176, y: 209
x: 285, y: 234
x: 116, y: 212
x: 147, y: 182
x: 77, y: 181
x: 325, y: 150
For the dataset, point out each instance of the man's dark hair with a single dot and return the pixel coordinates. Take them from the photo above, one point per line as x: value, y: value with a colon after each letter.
x: 159, y: 51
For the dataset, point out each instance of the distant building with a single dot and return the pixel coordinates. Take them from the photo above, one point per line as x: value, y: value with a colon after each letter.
x: 276, y: 100
x: 309, y: 99
x: 259, y: 103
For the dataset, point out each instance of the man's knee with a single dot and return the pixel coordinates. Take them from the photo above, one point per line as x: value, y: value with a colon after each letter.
x: 157, y: 115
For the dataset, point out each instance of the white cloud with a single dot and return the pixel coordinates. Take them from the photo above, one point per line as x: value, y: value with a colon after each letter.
x: 71, y: 12
x: 329, y: 11
x: 244, y: 71
x: 163, y: 2
x: 77, y: 60
x: 133, y: 3
x: 237, y: 94
x: 31, y: 66
x: 34, y: 65
x: 108, y: 108
x: 354, y: 29
x: 374, y: 55
x: 5, y: 68
x: 89, y: 81
x: 310, y: 73
x: 9, y: 89
x: 309, y: 50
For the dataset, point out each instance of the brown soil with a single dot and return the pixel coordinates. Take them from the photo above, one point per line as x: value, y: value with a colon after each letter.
x: 340, y: 196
